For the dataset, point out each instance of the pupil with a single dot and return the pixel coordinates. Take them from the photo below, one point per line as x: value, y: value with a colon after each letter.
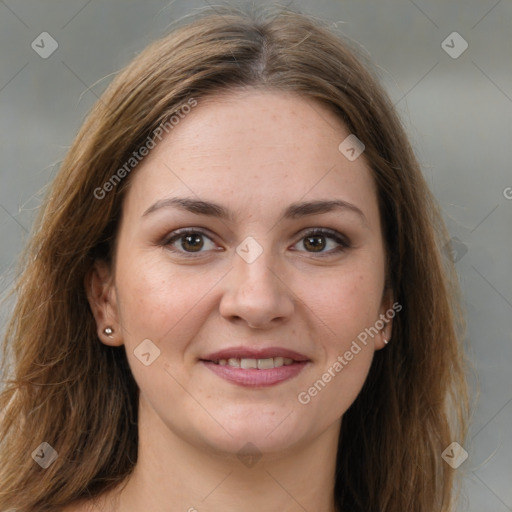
x: 317, y: 243
x: 193, y: 241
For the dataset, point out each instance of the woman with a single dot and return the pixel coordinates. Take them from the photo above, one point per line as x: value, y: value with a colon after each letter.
x: 235, y: 298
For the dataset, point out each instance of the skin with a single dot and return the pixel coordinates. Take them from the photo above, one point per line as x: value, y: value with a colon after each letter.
x: 254, y: 152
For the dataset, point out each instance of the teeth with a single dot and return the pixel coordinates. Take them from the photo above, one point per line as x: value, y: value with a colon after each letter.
x: 265, y: 364
x: 260, y: 364
x: 278, y: 361
x: 249, y: 363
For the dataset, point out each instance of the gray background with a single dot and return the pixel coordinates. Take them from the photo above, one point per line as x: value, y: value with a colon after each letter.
x: 458, y: 112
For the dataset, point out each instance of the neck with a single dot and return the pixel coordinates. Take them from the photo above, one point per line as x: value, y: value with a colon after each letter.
x: 171, y: 470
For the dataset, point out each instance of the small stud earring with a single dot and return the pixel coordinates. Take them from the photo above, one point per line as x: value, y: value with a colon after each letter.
x: 385, y: 341
x: 108, y: 331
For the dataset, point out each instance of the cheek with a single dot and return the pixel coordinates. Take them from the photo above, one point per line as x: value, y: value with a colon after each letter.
x: 347, y: 302
x: 347, y: 306
x: 160, y: 304
x: 154, y: 301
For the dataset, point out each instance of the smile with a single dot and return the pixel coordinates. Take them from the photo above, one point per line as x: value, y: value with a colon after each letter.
x: 260, y: 364
x: 256, y: 367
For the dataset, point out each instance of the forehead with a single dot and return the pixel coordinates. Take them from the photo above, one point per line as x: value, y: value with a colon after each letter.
x: 255, y: 150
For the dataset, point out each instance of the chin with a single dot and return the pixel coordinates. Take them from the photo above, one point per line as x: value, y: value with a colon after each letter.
x: 264, y: 435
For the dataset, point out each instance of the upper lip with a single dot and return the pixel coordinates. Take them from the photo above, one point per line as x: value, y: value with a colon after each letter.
x: 254, y: 353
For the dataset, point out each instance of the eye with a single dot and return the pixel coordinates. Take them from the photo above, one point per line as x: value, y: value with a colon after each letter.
x: 192, y: 241
x: 188, y: 241
x: 316, y: 240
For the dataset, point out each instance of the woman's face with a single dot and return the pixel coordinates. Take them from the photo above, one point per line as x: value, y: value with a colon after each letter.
x: 257, y: 284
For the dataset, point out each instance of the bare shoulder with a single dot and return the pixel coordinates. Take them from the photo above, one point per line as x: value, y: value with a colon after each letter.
x: 107, y: 501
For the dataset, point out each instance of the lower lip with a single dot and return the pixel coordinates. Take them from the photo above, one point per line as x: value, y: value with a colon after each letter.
x: 253, y: 377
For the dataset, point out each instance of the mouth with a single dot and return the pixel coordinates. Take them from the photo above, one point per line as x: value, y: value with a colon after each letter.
x: 256, y: 367
x: 260, y: 364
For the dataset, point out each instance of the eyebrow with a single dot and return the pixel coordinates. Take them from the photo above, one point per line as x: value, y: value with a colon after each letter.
x: 293, y: 211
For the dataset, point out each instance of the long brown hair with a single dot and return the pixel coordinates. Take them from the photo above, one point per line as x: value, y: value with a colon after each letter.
x: 64, y: 387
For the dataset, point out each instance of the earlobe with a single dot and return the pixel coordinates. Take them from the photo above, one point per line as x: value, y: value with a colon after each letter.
x: 101, y: 296
x: 385, y: 322
x: 384, y: 337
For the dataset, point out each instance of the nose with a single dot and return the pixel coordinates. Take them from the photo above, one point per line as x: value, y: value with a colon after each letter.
x: 257, y: 294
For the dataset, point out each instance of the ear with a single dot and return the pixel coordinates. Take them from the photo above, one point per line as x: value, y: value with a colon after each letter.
x: 101, y: 294
x: 387, y: 312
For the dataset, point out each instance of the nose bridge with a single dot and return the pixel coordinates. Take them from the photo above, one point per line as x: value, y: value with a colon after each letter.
x: 258, y: 275
x: 256, y: 292
x: 254, y: 259
x: 254, y: 270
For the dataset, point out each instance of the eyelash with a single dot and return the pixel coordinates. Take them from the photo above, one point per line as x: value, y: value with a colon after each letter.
x: 314, y: 232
